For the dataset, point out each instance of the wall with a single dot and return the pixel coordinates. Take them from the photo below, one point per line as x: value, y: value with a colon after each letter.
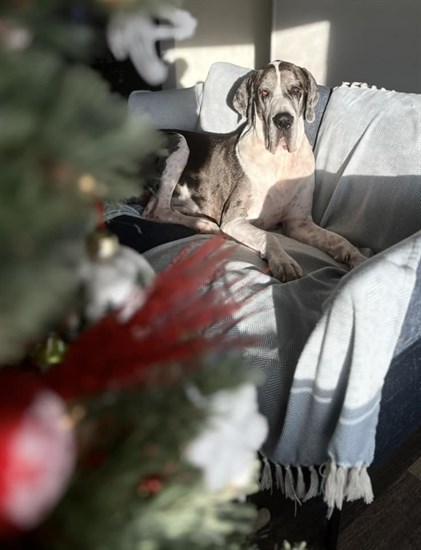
x: 374, y: 41
x: 237, y: 31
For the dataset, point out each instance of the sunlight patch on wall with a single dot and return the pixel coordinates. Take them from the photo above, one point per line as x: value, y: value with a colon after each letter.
x: 306, y: 46
x: 193, y: 63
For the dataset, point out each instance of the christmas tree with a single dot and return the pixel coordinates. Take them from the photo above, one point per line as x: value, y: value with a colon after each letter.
x: 125, y: 428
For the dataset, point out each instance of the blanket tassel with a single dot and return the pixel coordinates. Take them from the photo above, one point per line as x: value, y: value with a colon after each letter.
x: 266, y: 476
x: 279, y: 478
x: 353, y: 488
x: 359, y: 485
x: 329, y: 488
x: 313, y: 490
x: 338, y: 483
x: 289, y: 485
x: 366, y: 488
x: 349, y: 483
x: 341, y: 481
x: 300, y: 488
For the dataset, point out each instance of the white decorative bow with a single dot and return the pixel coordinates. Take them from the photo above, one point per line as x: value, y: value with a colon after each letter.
x: 135, y: 36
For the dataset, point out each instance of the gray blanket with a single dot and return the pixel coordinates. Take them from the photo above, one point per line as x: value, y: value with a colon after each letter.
x: 326, y: 341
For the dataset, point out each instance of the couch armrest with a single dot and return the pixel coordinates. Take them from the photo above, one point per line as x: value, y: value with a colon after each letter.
x: 170, y: 109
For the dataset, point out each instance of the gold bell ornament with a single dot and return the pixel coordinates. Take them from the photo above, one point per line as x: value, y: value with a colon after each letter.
x: 49, y: 352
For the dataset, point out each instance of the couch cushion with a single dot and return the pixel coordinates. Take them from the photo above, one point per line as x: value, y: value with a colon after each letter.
x: 215, y: 113
x: 171, y: 109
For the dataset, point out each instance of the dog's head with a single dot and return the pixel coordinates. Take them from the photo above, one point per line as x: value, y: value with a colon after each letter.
x: 281, y: 95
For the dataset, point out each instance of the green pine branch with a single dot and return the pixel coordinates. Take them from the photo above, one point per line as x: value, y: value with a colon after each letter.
x: 65, y: 142
x: 129, y: 437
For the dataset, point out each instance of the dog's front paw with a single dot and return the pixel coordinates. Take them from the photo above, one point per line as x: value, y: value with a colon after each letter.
x: 352, y: 257
x: 356, y: 259
x: 285, y: 268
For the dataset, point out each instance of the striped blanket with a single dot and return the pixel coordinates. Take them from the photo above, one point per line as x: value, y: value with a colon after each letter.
x: 326, y: 341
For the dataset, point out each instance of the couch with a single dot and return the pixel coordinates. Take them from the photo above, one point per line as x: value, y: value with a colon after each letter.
x: 340, y: 351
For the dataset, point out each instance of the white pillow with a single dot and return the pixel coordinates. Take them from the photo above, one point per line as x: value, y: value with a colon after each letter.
x: 215, y: 113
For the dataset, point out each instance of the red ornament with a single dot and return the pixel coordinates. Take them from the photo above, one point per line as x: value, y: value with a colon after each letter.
x: 150, y: 485
x: 165, y: 326
x: 37, y: 451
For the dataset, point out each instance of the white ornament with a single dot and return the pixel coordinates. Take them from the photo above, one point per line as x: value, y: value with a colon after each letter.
x: 135, y: 35
x: 110, y: 282
x: 226, y: 449
x: 14, y: 37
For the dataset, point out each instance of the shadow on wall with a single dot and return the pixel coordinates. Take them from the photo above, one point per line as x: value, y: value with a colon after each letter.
x: 373, y: 41
x: 235, y: 32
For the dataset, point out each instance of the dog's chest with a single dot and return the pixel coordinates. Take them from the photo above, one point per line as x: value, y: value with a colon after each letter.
x: 276, y: 181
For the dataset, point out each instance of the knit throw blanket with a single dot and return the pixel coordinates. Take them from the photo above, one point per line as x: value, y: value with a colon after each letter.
x: 325, y: 342
x: 369, y: 189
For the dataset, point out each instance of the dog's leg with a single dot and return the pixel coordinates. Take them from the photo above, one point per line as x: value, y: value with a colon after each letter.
x: 306, y: 231
x: 174, y: 166
x: 159, y: 206
x: 282, y: 266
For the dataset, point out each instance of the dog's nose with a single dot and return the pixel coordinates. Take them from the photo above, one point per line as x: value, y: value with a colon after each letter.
x: 283, y: 121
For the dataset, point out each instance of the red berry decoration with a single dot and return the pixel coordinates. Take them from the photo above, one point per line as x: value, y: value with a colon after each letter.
x: 151, y: 485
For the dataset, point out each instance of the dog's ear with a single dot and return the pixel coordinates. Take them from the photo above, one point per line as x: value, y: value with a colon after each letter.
x: 243, y: 95
x: 312, y: 96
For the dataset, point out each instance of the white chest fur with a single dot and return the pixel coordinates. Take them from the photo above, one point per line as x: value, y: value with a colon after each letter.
x: 282, y: 184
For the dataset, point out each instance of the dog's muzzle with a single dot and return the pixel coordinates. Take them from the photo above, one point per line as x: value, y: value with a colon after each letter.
x: 281, y: 132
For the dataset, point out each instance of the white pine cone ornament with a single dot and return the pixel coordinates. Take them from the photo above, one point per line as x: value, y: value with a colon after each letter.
x: 111, y: 275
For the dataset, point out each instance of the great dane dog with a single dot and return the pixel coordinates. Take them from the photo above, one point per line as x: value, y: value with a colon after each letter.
x: 249, y: 181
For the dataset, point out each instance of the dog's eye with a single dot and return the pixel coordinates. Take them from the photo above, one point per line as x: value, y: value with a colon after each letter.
x: 295, y: 91
x: 264, y: 93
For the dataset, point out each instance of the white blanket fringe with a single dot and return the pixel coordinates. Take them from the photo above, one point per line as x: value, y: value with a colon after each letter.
x: 335, y: 483
x: 290, y: 489
x: 300, y: 487
x: 359, y: 485
x: 266, y: 482
x: 313, y: 490
x: 279, y: 478
x: 347, y: 483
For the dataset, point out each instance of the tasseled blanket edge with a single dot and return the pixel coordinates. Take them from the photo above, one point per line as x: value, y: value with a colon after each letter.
x: 335, y: 483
